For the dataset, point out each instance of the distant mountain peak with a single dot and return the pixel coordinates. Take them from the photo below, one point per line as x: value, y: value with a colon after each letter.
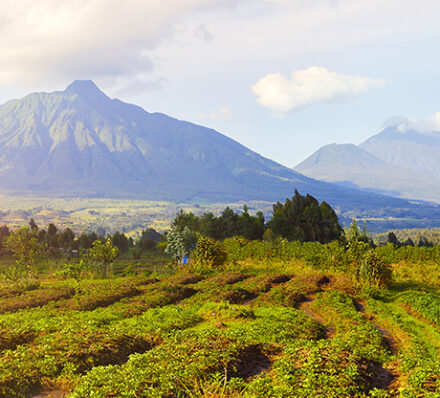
x: 84, y: 88
x: 79, y: 142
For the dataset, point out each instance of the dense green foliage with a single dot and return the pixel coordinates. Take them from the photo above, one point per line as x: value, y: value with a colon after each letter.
x: 103, y: 254
x: 208, y: 254
x: 228, y: 224
x: 303, y: 218
x: 374, y: 270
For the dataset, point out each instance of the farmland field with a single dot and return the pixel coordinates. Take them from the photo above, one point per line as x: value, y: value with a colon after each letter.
x: 89, y: 214
x: 259, y: 327
x: 131, y: 215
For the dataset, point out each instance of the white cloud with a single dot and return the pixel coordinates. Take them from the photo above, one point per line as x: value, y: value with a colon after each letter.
x: 202, y: 33
x: 309, y: 86
x: 224, y: 113
x: 136, y: 85
x: 303, y: 3
x: 57, y: 40
x: 427, y: 125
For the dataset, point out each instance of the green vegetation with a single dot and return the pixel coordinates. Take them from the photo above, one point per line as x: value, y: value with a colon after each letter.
x: 27, y: 250
x: 244, y: 318
x: 304, y: 219
x: 277, y: 319
x: 107, y: 216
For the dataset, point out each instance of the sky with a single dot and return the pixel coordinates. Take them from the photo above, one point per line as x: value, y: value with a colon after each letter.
x: 282, y: 77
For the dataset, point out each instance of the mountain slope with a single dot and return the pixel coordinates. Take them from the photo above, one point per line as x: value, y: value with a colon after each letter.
x: 79, y: 142
x: 349, y: 165
x: 410, y: 149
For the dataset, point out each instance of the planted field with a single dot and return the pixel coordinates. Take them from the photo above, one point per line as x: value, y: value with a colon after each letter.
x: 257, y: 329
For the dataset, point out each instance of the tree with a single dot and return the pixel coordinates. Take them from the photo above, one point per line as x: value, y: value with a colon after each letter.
x: 354, y: 233
x: 188, y: 220
x: 358, y: 243
x: 148, y: 240
x: 374, y: 270
x: 392, y: 238
x: 33, y: 225
x: 51, y: 236
x: 4, y: 233
x: 424, y: 242
x: 120, y: 241
x: 66, y: 239
x: 303, y: 218
x: 227, y: 225
x: 85, y: 240
x: 180, y: 243
x: 23, y: 243
x: 103, y: 253
x: 250, y: 227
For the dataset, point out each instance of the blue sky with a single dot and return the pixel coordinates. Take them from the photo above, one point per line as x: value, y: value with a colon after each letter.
x: 283, y: 77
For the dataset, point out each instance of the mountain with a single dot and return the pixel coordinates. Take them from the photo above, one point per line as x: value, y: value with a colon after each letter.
x: 350, y: 165
x: 79, y: 142
x: 410, y: 149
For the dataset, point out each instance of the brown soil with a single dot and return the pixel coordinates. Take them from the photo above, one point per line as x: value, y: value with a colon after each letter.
x: 50, y: 394
x: 11, y: 343
x: 229, y: 278
x: 188, y: 279
x: 237, y: 296
x: 387, y: 336
x: 381, y: 377
x: 305, y: 306
x: 385, y: 378
x: 252, y: 361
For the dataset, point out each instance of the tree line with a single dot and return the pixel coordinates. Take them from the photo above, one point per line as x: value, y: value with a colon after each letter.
x: 55, y: 240
x: 301, y: 218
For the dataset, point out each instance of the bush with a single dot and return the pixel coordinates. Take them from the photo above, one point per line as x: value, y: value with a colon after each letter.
x: 209, y: 254
x: 374, y: 270
x: 236, y: 248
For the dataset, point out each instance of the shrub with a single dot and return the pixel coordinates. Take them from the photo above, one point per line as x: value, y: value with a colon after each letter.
x: 374, y: 270
x: 236, y: 248
x: 209, y: 254
x: 28, y: 252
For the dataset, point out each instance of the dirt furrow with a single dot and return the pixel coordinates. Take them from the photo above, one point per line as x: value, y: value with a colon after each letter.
x: 306, y: 305
x: 386, y: 377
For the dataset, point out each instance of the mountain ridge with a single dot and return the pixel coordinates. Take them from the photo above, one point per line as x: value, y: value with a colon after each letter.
x: 79, y: 142
x: 391, y: 162
x: 53, y: 120
x: 411, y: 149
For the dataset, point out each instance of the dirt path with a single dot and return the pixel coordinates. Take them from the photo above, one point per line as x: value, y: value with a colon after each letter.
x: 306, y: 305
x: 387, y: 336
x: 385, y: 377
x: 50, y: 394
